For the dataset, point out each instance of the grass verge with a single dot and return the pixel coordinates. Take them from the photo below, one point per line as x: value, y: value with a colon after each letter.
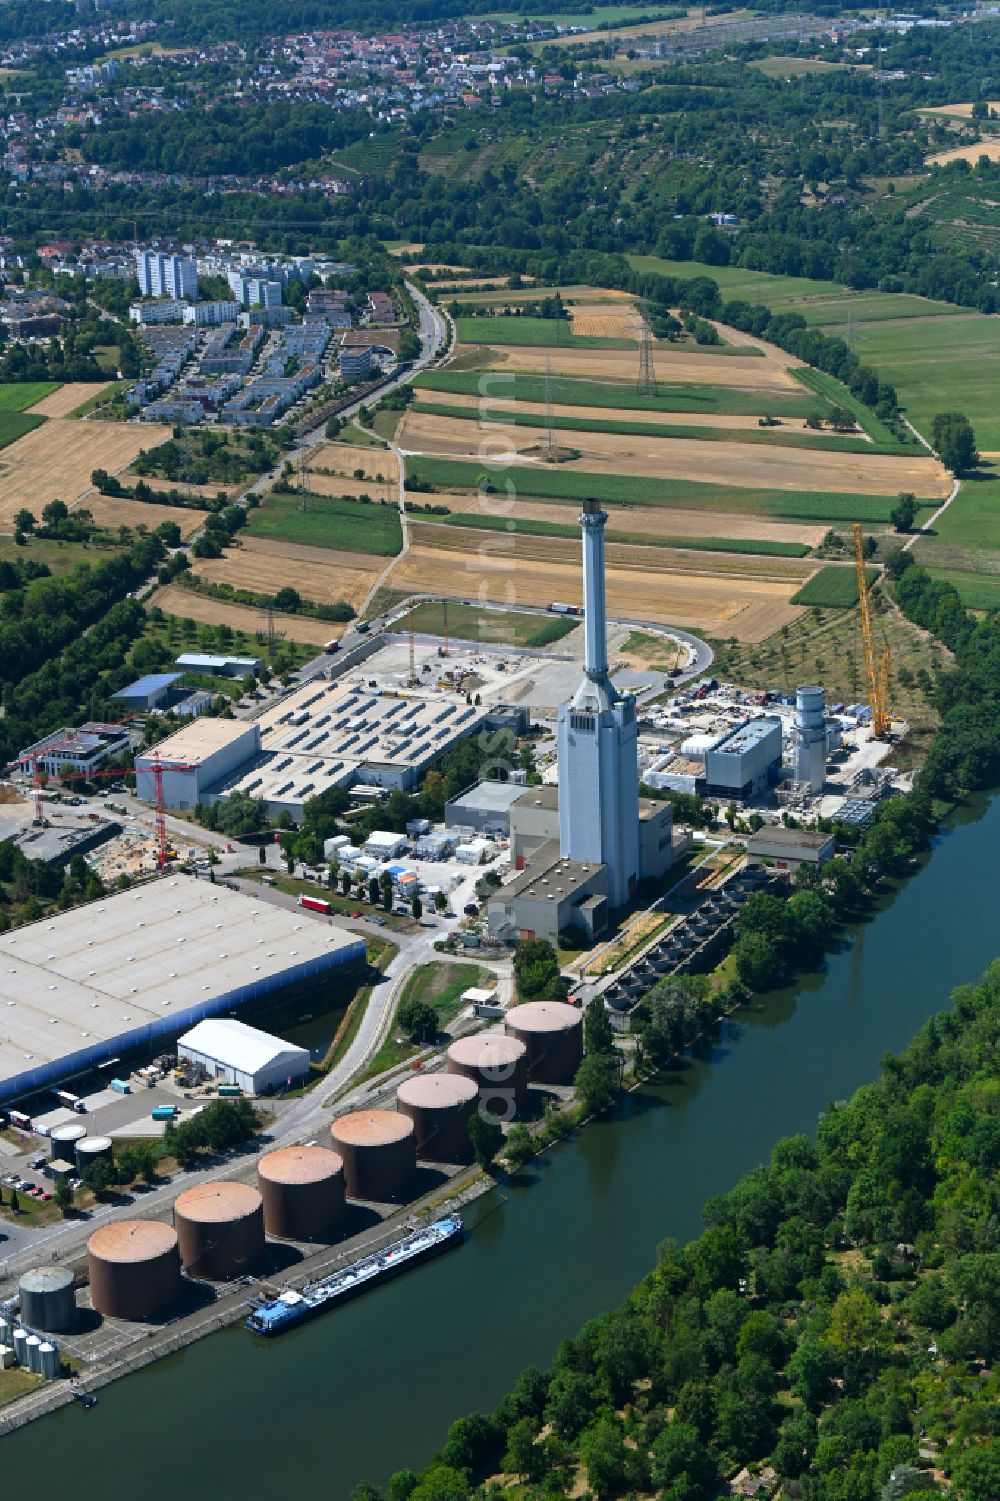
x: 678, y: 396
x: 440, y: 986
x: 511, y: 628
x: 542, y: 332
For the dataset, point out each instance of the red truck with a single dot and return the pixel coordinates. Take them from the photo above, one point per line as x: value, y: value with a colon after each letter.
x: 315, y: 904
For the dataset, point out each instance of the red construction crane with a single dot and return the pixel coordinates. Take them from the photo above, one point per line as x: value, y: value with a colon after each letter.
x: 158, y: 768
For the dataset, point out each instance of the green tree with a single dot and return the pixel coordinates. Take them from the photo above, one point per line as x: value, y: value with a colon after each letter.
x: 519, y: 1146
x: 63, y: 1195
x: 955, y: 441
x: 262, y: 856
x: 903, y: 513
x: 603, y: 1452
x: 976, y: 1476
x: 418, y: 1020
x: 524, y: 1456
x: 536, y: 970
x: 597, y: 1082
x: 486, y: 1137
x: 416, y: 908
x: 597, y: 1034
x: 683, y: 1466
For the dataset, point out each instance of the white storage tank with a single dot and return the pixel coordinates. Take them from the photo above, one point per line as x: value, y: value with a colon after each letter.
x: 7, y: 1357
x: 46, y: 1299
x: 93, y: 1149
x: 20, y: 1345
x: 48, y: 1361
x: 32, y: 1360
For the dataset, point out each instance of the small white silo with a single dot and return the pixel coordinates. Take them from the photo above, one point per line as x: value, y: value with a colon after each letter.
x: 48, y: 1360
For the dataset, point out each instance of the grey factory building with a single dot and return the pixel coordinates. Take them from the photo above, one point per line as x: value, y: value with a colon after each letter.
x: 321, y: 736
x: 124, y: 972
x: 789, y: 848
x: 534, y: 821
x: 484, y: 807
x: 743, y: 761
x: 550, y: 896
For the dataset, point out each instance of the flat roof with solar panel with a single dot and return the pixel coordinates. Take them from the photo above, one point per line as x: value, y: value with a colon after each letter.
x: 337, y: 734
x: 142, y: 965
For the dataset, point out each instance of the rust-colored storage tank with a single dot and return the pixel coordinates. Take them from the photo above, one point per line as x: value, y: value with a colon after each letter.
x: 220, y: 1229
x: 440, y: 1107
x: 302, y: 1189
x: 379, y: 1149
x: 552, y: 1034
x: 135, y: 1271
x: 498, y: 1066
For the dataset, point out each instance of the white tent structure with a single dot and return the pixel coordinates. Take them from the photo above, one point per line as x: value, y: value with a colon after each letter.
x: 234, y: 1053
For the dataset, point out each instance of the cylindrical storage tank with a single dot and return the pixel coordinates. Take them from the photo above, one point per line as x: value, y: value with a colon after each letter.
x: 20, y: 1338
x: 7, y: 1357
x: 5, y: 1331
x: 220, y: 1229
x: 47, y: 1301
x: 32, y: 1345
x: 440, y: 1107
x: 63, y: 1141
x: 498, y: 1066
x: 135, y: 1271
x: 552, y: 1033
x: 92, y: 1149
x: 48, y: 1361
x: 302, y: 1189
x: 379, y: 1151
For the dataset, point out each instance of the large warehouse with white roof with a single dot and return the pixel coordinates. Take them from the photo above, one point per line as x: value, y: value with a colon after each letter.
x: 321, y: 736
x: 144, y: 965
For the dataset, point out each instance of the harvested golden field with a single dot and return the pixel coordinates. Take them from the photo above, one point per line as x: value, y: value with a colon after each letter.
x: 749, y: 609
x: 644, y: 559
x: 964, y: 110
x: 55, y: 461
x: 318, y: 573
x: 757, y: 466
x: 175, y: 600
x: 345, y: 484
x: 657, y: 521
x: 990, y: 148
x: 342, y: 458
x: 671, y: 362
x: 473, y: 281
x: 652, y: 28
x: 605, y: 320
x: 69, y: 397
x: 491, y: 411
x: 110, y: 510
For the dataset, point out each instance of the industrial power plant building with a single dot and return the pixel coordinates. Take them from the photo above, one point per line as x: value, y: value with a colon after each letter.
x: 122, y: 973
x: 324, y: 735
x: 234, y: 1053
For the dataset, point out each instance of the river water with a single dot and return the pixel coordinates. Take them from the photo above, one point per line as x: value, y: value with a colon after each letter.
x: 372, y: 1387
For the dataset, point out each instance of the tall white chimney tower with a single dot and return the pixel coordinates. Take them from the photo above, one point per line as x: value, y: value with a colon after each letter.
x: 598, y: 743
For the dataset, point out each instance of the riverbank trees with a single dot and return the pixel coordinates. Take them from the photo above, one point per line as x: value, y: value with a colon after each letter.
x: 836, y: 1324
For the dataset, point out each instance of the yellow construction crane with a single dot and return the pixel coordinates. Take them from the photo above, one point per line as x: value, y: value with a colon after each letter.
x: 876, y: 669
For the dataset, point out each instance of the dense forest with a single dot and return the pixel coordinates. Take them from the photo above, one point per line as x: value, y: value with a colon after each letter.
x: 836, y: 1326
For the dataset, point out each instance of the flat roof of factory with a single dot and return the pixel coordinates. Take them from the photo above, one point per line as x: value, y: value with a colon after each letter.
x: 548, y: 874
x: 744, y: 737
x: 195, y: 741
x: 486, y: 796
x: 109, y: 970
x: 324, y: 734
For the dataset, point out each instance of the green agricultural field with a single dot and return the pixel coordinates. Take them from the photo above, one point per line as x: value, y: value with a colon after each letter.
x: 348, y: 525
x: 17, y: 396
x: 472, y: 623
x: 14, y: 425
x: 832, y: 588
x: 737, y: 281
x: 780, y: 437
x: 977, y: 591
x: 970, y: 524
x: 683, y: 396
x: 552, y: 482
x: 696, y: 544
x: 944, y: 364
x: 534, y: 331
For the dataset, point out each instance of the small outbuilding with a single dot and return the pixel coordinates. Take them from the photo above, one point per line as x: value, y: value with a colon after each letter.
x: 234, y: 1053
x: 790, y: 848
